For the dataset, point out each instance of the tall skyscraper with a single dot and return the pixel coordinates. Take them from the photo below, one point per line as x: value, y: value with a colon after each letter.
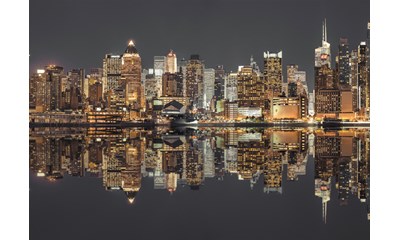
x: 231, y: 83
x: 344, y: 62
x: 171, y: 62
x: 113, y: 88
x: 209, y: 83
x: 363, y: 78
x: 273, y: 73
x: 219, y: 89
x: 76, y: 85
x: 159, y: 70
x: 37, y: 85
x: 250, y: 89
x: 131, y: 70
x: 52, y: 100
x: 111, y: 72
x: 195, y: 80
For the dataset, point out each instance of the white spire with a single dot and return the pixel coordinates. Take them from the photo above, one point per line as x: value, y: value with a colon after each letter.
x: 326, y: 32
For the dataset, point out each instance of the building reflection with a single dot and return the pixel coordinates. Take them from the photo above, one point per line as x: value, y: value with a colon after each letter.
x: 176, y: 158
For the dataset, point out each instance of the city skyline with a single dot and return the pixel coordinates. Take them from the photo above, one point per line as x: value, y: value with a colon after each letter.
x: 201, y: 119
x: 297, y: 41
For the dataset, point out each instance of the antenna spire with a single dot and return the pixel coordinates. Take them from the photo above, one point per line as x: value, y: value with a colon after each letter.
x: 326, y: 32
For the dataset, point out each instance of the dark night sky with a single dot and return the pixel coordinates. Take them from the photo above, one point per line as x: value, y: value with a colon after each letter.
x: 77, y: 34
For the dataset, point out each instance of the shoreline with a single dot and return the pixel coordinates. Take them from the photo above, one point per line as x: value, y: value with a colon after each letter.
x: 237, y: 124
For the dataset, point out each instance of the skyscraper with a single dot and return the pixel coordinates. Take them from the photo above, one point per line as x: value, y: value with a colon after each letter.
x: 113, y: 88
x: 344, y: 62
x: 195, y: 80
x: 219, y: 89
x: 171, y: 62
x: 231, y: 91
x: 131, y: 70
x: 273, y: 73
x: 363, y: 78
x: 250, y: 89
x: 159, y: 70
x: 52, y: 100
x: 209, y: 83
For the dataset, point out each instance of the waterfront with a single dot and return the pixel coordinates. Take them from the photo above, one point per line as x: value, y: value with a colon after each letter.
x: 206, y: 183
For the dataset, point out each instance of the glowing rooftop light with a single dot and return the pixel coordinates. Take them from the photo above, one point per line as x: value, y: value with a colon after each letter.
x: 131, y: 43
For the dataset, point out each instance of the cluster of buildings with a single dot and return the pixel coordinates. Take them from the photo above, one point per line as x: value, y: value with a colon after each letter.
x: 122, y: 91
x: 122, y: 157
x: 342, y: 92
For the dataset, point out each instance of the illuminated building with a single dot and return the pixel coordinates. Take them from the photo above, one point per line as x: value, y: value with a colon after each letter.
x: 231, y: 110
x: 250, y: 89
x: 172, y: 85
x: 95, y: 93
x: 159, y: 70
x: 289, y: 108
x: 273, y: 73
x: 111, y: 72
x: 131, y: 69
x: 344, y: 62
x: 209, y: 83
x: 363, y: 79
x: 150, y: 85
x: 354, y: 78
x: 52, y: 95
x: 219, y: 90
x: 195, y: 81
x: 171, y: 62
x: 231, y: 91
x: 37, y: 91
x: 76, y: 80
x: 114, y: 90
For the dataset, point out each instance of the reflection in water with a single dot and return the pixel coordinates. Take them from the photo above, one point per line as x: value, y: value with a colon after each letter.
x: 173, y: 158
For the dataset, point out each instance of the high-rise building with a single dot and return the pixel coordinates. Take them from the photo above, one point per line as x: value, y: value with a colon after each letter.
x: 95, y: 93
x: 113, y: 88
x: 131, y: 70
x: 172, y: 85
x: 297, y: 77
x: 37, y: 85
x: 363, y: 79
x: 76, y: 86
x: 273, y: 73
x: 250, y: 88
x: 209, y: 83
x: 231, y: 84
x: 195, y: 81
x: 111, y: 72
x: 344, y: 62
x: 159, y: 70
x: 219, y: 89
x: 171, y: 62
x: 52, y: 100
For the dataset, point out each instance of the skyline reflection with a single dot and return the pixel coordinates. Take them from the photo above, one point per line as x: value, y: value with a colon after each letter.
x: 175, y: 158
